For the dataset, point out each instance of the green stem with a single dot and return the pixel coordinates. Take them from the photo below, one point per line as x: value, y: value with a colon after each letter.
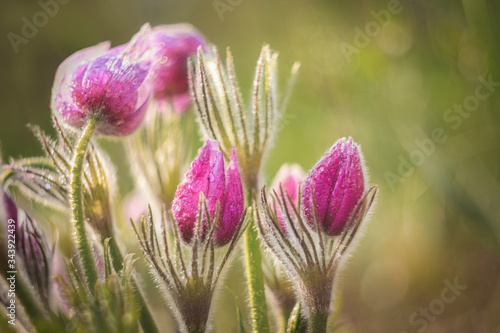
x: 196, y: 330
x: 77, y: 215
x: 146, y: 319
x: 255, y: 277
x: 318, y: 322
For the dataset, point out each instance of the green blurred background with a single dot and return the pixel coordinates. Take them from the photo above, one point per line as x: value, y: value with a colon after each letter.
x: 438, y: 222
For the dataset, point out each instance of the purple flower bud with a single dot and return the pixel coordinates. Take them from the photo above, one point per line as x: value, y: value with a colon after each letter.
x: 206, y: 175
x: 290, y: 177
x: 135, y: 205
x: 104, y: 82
x: 338, y: 184
x: 35, y: 255
x: 232, y: 210
x: 172, y: 45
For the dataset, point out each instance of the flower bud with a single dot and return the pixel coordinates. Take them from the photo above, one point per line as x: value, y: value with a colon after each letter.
x: 35, y: 255
x: 334, y: 188
x: 289, y: 177
x: 106, y: 83
x: 206, y: 175
x: 172, y: 45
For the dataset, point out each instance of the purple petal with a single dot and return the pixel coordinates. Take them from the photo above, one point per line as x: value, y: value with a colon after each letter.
x: 290, y: 177
x: 349, y: 189
x: 109, y: 83
x: 338, y: 184
x: 62, y: 103
x: 234, y: 205
x: 181, y: 102
x: 185, y: 203
x: 172, y: 46
x: 216, y: 184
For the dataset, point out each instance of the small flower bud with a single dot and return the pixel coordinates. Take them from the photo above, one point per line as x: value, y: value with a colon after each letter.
x: 289, y: 177
x: 172, y: 45
x: 334, y: 188
x: 106, y: 83
x: 206, y: 175
x: 36, y: 256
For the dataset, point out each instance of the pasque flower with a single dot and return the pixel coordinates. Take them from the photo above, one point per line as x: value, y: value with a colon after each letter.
x: 333, y: 204
x: 334, y: 187
x: 222, y: 191
x: 35, y: 255
x: 172, y: 45
x: 251, y: 128
x: 110, y: 84
x: 207, y: 213
x: 287, y: 183
x: 31, y: 246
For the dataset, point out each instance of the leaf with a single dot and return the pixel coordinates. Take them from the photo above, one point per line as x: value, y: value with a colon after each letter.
x: 35, y: 180
x: 238, y: 311
x: 296, y: 322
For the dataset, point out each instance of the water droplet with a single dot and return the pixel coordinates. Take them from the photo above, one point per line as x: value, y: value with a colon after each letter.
x: 163, y: 60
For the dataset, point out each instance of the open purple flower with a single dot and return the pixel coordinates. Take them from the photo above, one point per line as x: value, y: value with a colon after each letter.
x: 172, y: 45
x: 334, y: 188
x: 206, y: 175
x: 110, y: 84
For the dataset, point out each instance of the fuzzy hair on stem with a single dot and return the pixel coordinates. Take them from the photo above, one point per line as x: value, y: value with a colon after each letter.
x: 188, y: 274
x: 308, y: 254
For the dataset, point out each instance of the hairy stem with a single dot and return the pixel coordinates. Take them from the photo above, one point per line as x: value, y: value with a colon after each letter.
x: 318, y: 322
x: 77, y: 214
x: 146, y: 319
x: 255, y: 276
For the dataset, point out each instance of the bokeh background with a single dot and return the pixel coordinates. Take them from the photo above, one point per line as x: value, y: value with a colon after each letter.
x: 435, y: 221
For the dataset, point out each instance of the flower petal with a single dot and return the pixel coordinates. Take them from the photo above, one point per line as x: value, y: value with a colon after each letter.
x: 234, y: 204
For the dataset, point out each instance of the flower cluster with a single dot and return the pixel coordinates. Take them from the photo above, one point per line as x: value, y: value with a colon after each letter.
x: 294, y: 238
x: 115, y: 84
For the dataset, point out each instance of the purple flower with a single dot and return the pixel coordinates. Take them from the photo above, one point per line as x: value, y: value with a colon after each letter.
x: 338, y: 184
x: 290, y: 177
x: 172, y: 45
x: 108, y: 83
x: 206, y: 175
